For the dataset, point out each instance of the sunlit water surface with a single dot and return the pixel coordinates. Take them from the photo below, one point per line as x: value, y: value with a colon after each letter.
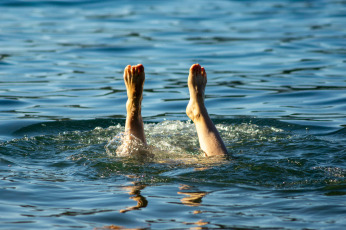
x: 276, y: 92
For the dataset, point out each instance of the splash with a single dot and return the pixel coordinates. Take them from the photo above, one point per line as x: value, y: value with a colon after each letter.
x: 261, y: 154
x: 127, y: 145
x: 166, y: 140
x: 176, y: 143
x: 246, y: 132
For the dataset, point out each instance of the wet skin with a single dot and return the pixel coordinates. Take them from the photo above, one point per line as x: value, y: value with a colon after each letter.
x: 209, y: 138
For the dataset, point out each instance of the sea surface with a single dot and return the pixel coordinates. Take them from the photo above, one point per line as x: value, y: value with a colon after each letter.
x: 276, y: 92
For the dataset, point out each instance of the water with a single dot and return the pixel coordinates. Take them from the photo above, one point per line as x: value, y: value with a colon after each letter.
x: 276, y: 91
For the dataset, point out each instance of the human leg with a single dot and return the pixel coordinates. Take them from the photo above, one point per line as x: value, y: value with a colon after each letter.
x: 134, y: 80
x: 209, y: 138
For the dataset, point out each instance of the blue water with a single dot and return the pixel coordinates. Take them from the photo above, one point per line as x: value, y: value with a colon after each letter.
x: 276, y: 92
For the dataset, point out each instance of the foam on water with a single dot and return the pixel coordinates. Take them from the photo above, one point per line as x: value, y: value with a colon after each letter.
x: 267, y: 156
x: 282, y: 157
x: 170, y: 143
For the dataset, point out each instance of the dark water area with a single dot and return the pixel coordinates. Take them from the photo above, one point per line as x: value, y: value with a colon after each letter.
x: 276, y: 91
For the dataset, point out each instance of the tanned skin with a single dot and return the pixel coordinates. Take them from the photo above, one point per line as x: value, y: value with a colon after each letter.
x: 209, y: 138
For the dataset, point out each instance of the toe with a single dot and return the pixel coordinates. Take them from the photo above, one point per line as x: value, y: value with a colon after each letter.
x: 203, y: 76
x: 140, y: 68
x: 127, y: 68
x: 195, y: 69
x: 198, y: 70
x: 192, y: 69
x: 133, y: 69
x: 127, y: 71
x: 204, y: 73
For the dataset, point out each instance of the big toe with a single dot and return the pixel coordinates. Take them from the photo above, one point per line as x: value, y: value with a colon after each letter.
x: 195, y: 69
x: 138, y: 69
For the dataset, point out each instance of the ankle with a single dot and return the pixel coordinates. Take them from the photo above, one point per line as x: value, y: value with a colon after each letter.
x: 195, y: 111
x: 133, y: 107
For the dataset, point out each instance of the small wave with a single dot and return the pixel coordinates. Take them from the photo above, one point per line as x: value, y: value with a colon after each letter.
x: 262, y: 154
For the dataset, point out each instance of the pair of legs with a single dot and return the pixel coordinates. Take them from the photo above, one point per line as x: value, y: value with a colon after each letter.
x: 209, y: 138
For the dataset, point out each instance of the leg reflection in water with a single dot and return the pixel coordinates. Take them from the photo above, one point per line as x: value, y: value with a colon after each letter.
x: 209, y: 138
x: 135, y: 190
x: 192, y: 198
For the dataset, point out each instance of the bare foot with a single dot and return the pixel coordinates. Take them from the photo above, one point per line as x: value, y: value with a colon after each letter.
x: 134, y: 137
x: 134, y: 80
x: 197, y: 81
x: 209, y: 138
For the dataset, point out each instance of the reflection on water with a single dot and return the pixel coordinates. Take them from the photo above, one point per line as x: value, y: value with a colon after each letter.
x: 191, y: 198
x: 135, y: 191
x: 270, y: 159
